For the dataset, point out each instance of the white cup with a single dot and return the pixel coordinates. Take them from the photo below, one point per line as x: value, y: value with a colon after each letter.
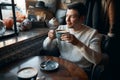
x: 28, y: 73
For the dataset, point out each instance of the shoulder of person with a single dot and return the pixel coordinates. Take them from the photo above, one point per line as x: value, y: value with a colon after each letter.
x: 92, y: 31
x: 88, y: 28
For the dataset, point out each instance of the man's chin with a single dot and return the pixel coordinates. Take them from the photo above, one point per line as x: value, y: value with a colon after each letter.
x: 69, y: 26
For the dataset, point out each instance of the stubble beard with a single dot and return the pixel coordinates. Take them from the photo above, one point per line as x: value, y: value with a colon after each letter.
x: 69, y: 26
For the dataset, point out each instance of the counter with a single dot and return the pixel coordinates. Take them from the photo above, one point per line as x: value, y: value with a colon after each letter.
x: 26, y: 44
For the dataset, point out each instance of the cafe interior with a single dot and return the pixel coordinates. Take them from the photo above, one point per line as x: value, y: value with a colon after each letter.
x: 24, y: 24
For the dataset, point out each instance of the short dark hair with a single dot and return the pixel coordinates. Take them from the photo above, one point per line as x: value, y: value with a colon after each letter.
x: 79, y: 6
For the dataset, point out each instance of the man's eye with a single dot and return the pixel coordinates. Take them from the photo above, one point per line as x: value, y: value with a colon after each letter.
x: 73, y: 16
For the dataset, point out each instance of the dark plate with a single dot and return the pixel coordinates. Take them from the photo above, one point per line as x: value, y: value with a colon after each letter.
x: 49, y: 65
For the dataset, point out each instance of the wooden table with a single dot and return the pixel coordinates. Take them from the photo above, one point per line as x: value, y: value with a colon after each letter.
x: 66, y: 71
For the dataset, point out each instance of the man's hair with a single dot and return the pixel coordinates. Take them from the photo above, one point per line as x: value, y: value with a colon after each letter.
x: 78, y: 6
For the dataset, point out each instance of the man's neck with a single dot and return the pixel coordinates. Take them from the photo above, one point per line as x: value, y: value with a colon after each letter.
x: 77, y: 28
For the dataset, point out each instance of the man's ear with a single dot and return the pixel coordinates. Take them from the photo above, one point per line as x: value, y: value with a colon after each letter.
x: 82, y: 18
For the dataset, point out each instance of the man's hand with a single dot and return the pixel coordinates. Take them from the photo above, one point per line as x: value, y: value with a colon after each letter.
x: 51, y: 34
x: 70, y: 38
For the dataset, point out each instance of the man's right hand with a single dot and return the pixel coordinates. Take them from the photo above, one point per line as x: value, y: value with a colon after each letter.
x: 51, y: 34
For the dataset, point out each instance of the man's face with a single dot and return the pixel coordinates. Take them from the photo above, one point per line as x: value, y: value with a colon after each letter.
x: 72, y: 18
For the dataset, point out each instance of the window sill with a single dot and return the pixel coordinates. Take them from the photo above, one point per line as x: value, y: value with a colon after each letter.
x: 23, y: 36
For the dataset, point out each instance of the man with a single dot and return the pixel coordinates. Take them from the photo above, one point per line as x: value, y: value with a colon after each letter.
x: 82, y: 44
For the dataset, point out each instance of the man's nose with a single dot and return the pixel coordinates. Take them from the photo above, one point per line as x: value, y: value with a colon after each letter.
x: 67, y: 19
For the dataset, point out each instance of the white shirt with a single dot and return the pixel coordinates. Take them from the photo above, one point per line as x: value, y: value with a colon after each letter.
x: 85, y: 55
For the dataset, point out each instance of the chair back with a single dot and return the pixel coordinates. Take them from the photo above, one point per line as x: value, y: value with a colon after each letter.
x: 97, y: 70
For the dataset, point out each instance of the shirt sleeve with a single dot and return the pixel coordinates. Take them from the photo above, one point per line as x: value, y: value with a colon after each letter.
x: 49, y: 44
x: 92, y: 52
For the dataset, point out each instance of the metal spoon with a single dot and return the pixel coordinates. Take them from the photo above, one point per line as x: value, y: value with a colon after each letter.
x: 45, y: 64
